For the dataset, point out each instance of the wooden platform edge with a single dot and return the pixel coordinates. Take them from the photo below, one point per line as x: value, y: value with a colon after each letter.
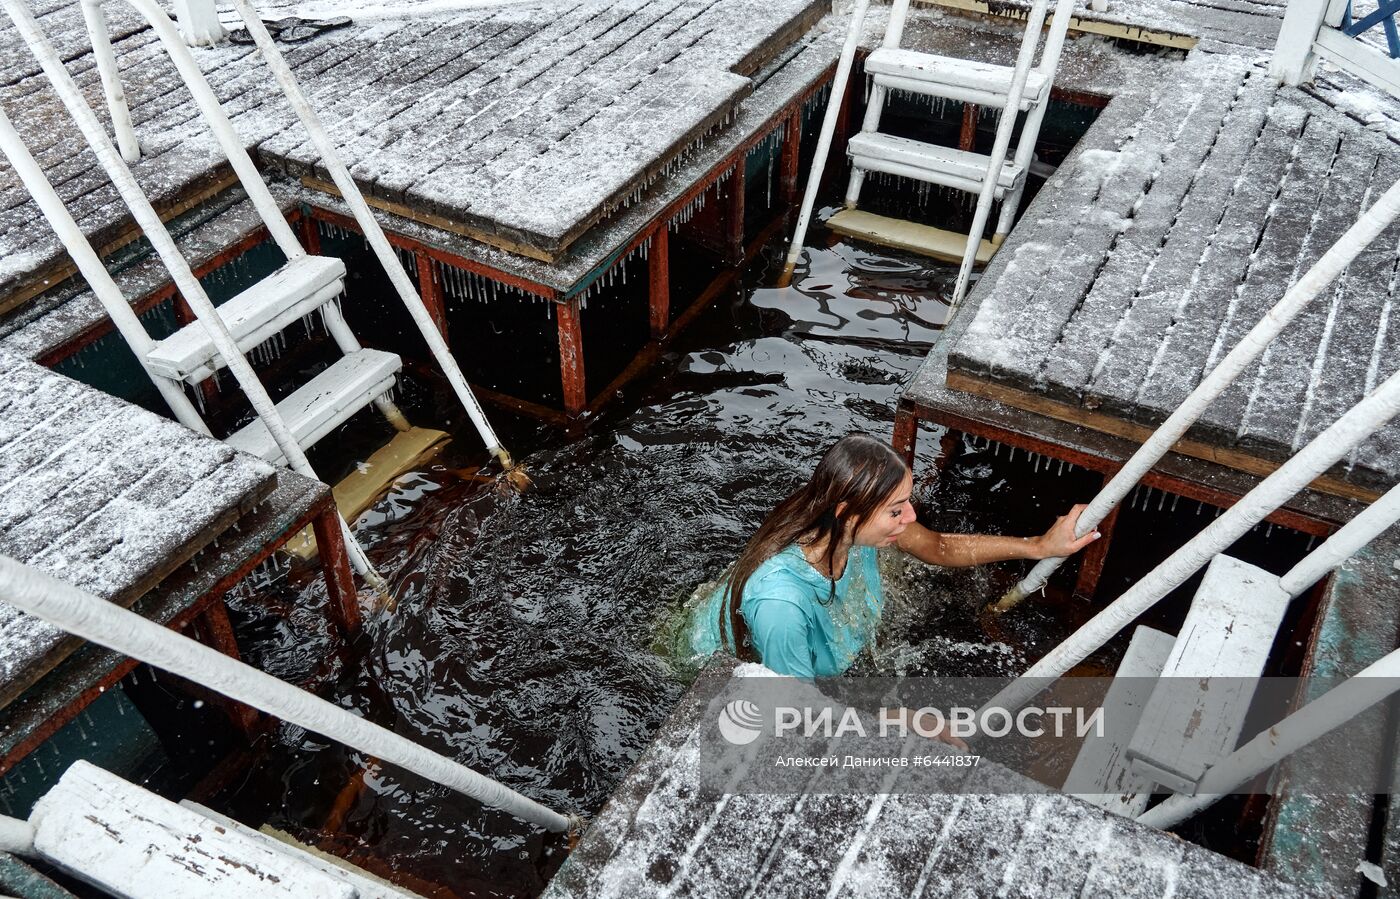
x: 1122, y: 31
x: 1117, y: 427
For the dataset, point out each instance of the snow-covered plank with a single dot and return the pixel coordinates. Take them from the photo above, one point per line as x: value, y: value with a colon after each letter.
x: 1089, y: 339
x: 104, y: 494
x: 1197, y: 710
x: 1100, y: 772
x: 130, y: 842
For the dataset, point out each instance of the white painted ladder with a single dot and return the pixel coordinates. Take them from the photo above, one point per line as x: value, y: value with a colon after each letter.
x: 1024, y: 87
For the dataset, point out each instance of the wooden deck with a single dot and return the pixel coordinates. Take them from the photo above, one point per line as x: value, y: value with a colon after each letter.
x: 1183, y: 214
x: 661, y: 834
x: 520, y: 126
x: 107, y: 496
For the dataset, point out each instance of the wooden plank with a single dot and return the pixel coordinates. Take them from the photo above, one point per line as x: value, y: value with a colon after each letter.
x: 125, y: 840
x: 937, y: 243
x: 1082, y: 24
x: 1187, y: 446
x: 1137, y: 337
x: 1087, y: 341
x: 1100, y: 773
x: 1197, y: 710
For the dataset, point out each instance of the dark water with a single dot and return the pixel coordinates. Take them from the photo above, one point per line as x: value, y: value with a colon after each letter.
x: 529, y: 637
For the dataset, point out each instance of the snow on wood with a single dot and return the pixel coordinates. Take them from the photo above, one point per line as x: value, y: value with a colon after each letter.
x: 1191, y: 205
x: 1197, y: 710
x: 133, y: 843
x: 661, y: 835
x: 107, y: 496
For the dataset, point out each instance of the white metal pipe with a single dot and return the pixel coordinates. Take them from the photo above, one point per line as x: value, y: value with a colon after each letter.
x: 96, y: 21
x: 1034, y: 21
x: 1336, y: 549
x: 1337, y: 706
x: 185, y: 281
x: 345, y: 338
x: 16, y: 836
x: 874, y: 109
x: 1030, y: 132
x: 350, y: 192
x: 894, y: 29
x: 1350, y: 245
x: 199, y: 22
x: 1307, y: 464
x: 219, y: 124
x: 107, y: 624
x: 93, y: 271
x: 833, y: 111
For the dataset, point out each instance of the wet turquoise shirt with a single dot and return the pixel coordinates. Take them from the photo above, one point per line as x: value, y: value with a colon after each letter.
x: 796, y: 627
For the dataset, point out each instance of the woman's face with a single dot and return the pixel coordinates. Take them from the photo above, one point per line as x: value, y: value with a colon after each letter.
x: 889, y: 521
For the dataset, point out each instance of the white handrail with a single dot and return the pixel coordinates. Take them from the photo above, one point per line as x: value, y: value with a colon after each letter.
x: 96, y: 21
x: 1035, y: 20
x: 154, y: 230
x: 373, y: 233
x: 1307, y: 464
x: 833, y: 112
x: 93, y: 271
x: 1341, y: 254
x: 81, y: 613
x: 1368, y: 524
x: 1329, y: 711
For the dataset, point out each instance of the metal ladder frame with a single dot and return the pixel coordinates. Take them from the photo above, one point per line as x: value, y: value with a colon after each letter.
x: 894, y: 33
x: 330, y: 157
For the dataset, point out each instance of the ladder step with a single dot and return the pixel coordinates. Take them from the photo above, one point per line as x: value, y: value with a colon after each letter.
x: 1197, y: 709
x: 947, y: 76
x: 324, y: 403
x: 892, y: 155
x: 296, y: 289
x: 1100, y: 773
x: 905, y: 235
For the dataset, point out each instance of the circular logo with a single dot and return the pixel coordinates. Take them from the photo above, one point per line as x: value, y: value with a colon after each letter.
x: 740, y: 722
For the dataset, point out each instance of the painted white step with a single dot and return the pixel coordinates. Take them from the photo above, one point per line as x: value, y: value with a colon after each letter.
x: 1197, y: 710
x: 324, y: 403
x: 365, y: 885
x: 129, y: 842
x: 294, y: 290
x: 957, y: 79
x: 892, y: 155
x: 1100, y: 773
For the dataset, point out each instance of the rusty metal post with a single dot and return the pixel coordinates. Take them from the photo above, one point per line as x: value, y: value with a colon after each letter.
x: 906, y: 432
x: 335, y: 563
x: 659, y: 281
x: 218, y: 633
x: 571, y: 358
x: 967, y: 140
x: 788, y: 161
x: 733, y: 216
x: 1094, y: 556
x: 431, y: 292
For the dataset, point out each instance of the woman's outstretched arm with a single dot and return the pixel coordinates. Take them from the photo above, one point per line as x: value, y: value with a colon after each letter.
x: 962, y: 550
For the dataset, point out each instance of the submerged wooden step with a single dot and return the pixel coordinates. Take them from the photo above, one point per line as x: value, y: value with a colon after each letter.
x: 324, y: 403
x: 359, y: 489
x: 1197, y: 709
x: 967, y: 80
x: 1100, y: 773
x: 904, y: 235
x: 366, y: 885
x: 296, y: 289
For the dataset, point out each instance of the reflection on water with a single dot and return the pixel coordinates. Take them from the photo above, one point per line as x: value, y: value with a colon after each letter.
x: 525, y: 639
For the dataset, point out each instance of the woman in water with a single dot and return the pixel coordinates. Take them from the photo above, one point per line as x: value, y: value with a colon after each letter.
x: 804, y: 598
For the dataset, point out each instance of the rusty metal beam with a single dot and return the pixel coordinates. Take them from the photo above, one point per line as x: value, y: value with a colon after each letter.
x: 571, y: 369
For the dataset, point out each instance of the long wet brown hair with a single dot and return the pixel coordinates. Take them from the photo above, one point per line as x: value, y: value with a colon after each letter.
x: 857, y: 470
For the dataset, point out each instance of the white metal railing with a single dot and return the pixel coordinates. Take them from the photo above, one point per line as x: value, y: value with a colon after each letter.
x: 1315, y: 29
x: 85, y: 615
x: 1325, y: 450
x: 154, y: 230
x: 1340, y: 255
